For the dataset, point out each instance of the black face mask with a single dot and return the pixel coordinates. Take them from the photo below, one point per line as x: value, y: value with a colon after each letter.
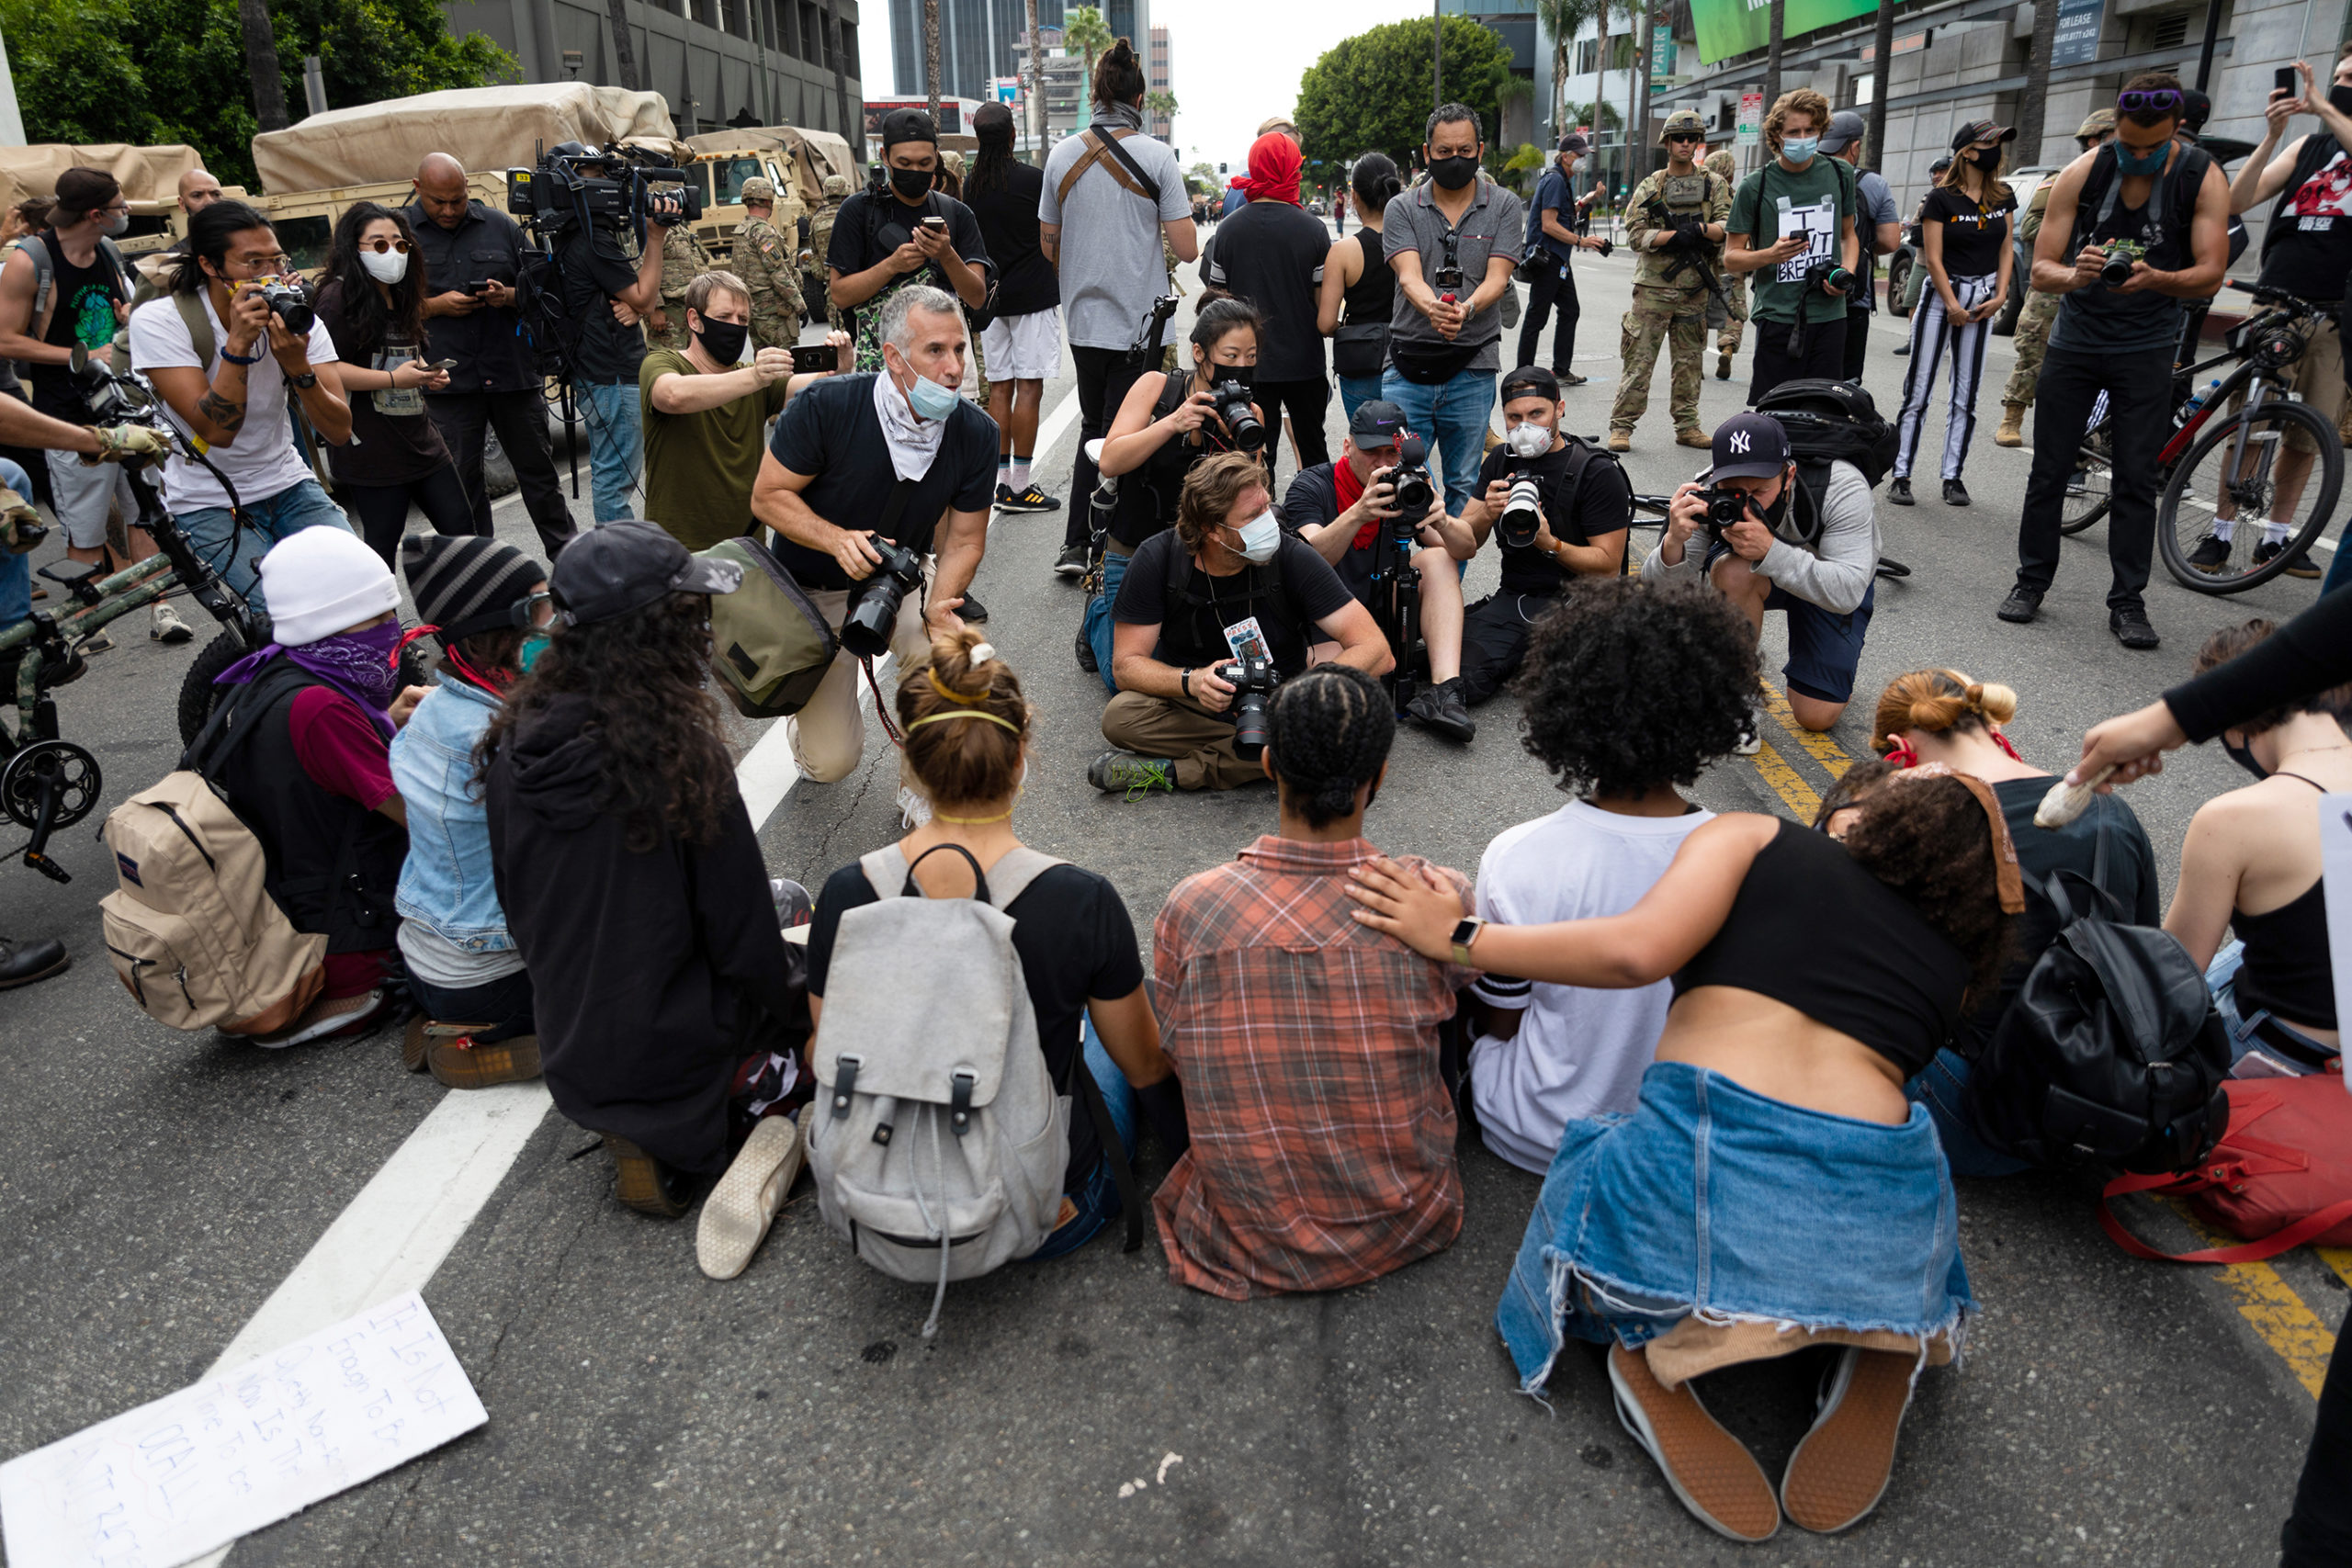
x: 912, y: 183
x: 2243, y: 755
x: 1453, y: 174
x: 2339, y: 98
x: 1989, y: 158
x: 1245, y: 374
x: 723, y: 341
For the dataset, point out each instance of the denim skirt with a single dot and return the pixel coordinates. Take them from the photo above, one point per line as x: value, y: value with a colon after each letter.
x: 1712, y: 1200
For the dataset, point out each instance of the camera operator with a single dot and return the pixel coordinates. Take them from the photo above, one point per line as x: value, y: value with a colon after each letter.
x: 2168, y: 207
x: 903, y: 234
x: 900, y: 460
x: 1583, y: 505
x: 1168, y: 423
x: 1341, y: 509
x: 1224, y: 585
x: 472, y: 253
x: 1777, y: 547
x: 1797, y: 212
x: 230, y: 391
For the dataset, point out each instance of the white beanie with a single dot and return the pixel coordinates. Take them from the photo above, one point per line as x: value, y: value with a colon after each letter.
x: 322, y: 581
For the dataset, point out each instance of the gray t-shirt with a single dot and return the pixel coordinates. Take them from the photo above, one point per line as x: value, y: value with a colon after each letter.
x: 1833, y: 572
x: 1875, y: 199
x: 1111, y: 268
x: 1495, y: 223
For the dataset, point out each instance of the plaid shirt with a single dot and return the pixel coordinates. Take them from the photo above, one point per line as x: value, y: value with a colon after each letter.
x: 1322, y: 1136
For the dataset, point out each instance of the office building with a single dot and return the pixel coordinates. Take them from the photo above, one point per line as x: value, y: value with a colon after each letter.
x: 1157, y: 78
x: 982, y: 39
x: 1525, y: 117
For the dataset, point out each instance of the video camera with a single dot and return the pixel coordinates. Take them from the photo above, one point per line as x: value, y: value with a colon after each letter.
x: 866, y: 630
x: 1253, y: 681
x: 617, y: 188
x: 1416, y: 492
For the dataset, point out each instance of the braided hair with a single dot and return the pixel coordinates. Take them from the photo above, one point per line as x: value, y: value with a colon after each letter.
x: 1328, y: 732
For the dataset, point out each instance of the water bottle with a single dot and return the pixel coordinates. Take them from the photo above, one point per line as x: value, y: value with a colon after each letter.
x: 2197, y: 400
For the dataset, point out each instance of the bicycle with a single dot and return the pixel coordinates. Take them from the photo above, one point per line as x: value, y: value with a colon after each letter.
x: 2199, y: 491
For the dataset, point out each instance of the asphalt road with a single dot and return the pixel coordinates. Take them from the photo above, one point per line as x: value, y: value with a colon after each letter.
x: 158, y: 1189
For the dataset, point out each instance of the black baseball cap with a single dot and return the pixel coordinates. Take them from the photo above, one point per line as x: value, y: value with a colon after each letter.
x: 626, y: 565
x: 1977, y: 130
x: 908, y: 125
x: 1377, y: 422
x: 1747, y: 446
x: 1530, y: 381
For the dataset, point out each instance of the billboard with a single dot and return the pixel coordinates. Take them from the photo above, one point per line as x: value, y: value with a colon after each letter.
x: 1726, y: 28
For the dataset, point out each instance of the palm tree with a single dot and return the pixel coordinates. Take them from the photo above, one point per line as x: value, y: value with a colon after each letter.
x: 1160, y: 104
x: 2036, y: 84
x: 624, y: 57
x: 261, y: 65
x: 853, y: 126
x: 1564, y: 19
x: 1773, y: 53
x: 1883, y: 45
x: 930, y: 54
x: 1036, y: 90
x: 1636, y: 87
x: 1084, y: 31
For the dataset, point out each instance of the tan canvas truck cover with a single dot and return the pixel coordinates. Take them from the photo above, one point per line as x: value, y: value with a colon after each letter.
x: 813, y: 155
x: 483, y: 128
x: 147, y: 174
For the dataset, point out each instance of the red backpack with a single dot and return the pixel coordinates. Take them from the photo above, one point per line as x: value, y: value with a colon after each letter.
x: 2281, y: 1175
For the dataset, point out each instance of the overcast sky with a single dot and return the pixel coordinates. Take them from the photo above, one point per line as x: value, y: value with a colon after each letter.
x: 1234, y: 61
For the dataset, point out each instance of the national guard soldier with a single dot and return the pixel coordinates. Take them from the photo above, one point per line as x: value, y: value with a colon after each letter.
x: 2040, y: 309
x: 769, y: 264
x: 1728, y: 315
x: 1675, y: 220
x: 820, y: 236
x: 683, y: 260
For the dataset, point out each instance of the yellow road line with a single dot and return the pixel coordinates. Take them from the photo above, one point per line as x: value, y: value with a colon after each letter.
x: 2338, y: 1258
x: 1820, y: 748
x: 1786, y: 783
x: 2290, y: 1328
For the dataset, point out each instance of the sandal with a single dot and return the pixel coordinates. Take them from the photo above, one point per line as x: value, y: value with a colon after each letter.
x: 1840, y: 1470
x: 1709, y: 1470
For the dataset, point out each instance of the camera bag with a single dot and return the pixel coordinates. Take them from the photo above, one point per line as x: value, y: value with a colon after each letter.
x: 2112, y: 1050
x: 938, y: 1138
x: 770, y: 645
x: 2291, y: 1184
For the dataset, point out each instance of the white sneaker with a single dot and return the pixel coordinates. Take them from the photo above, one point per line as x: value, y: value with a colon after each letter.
x: 737, y: 1215
x: 1750, y: 742
x: 167, y: 625
x: 913, y: 809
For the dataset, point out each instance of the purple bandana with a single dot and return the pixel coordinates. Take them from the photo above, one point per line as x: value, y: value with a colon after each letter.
x: 361, y: 665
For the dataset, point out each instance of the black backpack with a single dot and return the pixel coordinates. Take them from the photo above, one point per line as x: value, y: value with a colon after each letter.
x: 2112, y: 1051
x: 1832, y: 422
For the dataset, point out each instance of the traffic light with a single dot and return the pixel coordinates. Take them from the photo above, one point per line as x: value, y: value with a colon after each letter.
x: 1222, y: 168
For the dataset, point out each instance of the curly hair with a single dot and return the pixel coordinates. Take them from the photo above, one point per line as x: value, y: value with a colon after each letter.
x: 1931, y: 841
x: 663, y: 762
x: 1796, y: 101
x: 1328, y: 732
x: 1630, y: 686
x: 2232, y: 641
x: 1936, y: 701
x: 1847, y: 792
x: 975, y: 761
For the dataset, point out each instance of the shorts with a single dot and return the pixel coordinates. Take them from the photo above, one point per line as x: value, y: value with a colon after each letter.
x: 1023, y: 348
x: 1825, y: 648
x: 82, y: 491
x: 2319, y: 379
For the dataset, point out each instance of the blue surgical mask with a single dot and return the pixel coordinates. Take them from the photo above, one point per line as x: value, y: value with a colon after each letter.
x: 2152, y: 162
x: 1800, y: 149
x: 533, y: 646
x: 1260, y: 537
x: 929, y: 400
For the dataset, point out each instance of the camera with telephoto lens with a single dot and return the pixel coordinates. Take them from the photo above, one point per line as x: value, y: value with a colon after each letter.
x: 1231, y: 400
x: 1410, y: 478
x: 1830, y: 273
x: 1252, y: 680
x: 2115, y: 271
x: 866, y: 630
x: 1521, y: 518
x: 290, y: 302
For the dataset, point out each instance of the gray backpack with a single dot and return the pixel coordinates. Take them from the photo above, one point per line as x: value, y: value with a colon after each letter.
x: 937, y: 1139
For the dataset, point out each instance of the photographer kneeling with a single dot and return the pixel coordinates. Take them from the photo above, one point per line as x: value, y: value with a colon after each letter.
x: 1340, y: 508
x: 1226, y: 584
x: 1583, y: 504
x: 1772, y: 545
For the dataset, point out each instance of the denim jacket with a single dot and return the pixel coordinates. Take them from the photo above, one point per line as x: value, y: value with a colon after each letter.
x: 447, y: 881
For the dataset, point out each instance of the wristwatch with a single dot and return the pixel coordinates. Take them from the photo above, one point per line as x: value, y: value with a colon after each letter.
x: 1185, y: 681
x: 306, y: 380
x: 1465, y: 932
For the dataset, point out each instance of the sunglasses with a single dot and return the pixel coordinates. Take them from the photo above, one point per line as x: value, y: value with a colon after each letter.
x: 380, y: 245
x: 1673, y: 137
x: 2154, y: 100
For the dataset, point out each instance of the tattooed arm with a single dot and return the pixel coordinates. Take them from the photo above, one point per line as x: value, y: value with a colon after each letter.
x: 214, y: 411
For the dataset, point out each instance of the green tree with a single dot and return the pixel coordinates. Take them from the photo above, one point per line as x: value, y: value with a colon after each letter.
x: 1369, y: 93
x: 158, y: 71
x: 1084, y: 31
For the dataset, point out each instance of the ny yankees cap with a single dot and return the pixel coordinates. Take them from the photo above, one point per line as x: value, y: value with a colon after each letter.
x: 1749, y: 446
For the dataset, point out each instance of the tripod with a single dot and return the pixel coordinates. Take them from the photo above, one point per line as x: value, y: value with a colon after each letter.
x: 1396, y: 604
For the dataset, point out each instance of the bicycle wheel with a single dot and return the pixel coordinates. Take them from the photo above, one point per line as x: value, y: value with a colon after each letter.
x: 2219, y: 523
x: 2090, y: 488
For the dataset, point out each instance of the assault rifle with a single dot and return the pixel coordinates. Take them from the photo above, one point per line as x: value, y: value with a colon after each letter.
x: 1687, y: 252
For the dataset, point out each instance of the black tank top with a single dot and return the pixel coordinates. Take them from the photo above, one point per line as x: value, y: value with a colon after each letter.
x: 1811, y: 928
x: 1372, y: 297
x: 2287, y: 970
x: 82, y: 302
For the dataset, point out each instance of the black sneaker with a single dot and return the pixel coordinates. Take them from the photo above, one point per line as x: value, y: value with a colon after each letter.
x: 2212, y: 554
x: 1086, y: 659
x: 2132, y: 628
x: 1441, y: 709
x: 1005, y: 500
x: 2303, y: 566
x: 972, y: 611
x: 1902, y: 351
x: 2271, y: 549
x: 2022, y: 604
x: 1955, y: 493
x: 1116, y: 773
x: 1072, y: 562
x: 1899, y: 493
x: 1029, y: 500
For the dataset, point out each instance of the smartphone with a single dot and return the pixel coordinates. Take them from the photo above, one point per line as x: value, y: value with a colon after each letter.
x: 2283, y: 79
x: 813, y: 359
x: 936, y: 225
x: 442, y: 364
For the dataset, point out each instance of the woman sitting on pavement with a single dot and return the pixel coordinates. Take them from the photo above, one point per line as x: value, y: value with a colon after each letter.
x: 1773, y: 1190
x: 2251, y: 863
x: 968, y: 733
x: 668, y: 1016
x: 1944, y: 717
x: 488, y: 605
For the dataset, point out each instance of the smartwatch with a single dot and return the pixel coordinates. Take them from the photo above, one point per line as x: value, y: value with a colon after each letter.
x: 1465, y: 932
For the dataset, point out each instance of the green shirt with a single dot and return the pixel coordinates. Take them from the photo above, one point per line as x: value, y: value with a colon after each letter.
x: 1817, y: 201
x: 699, y: 466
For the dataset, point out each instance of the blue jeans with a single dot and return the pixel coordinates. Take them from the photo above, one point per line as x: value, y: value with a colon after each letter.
x: 1357, y: 391
x: 615, y: 445
x: 212, y: 532
x: 505, y: 1004
x: 16, y: 571
x: 2222, y: 979
x: 1098, y: 1200
x: 1098, y: 614
x: 1458, y: 414
x: 1939, y: 1087
x: 2339, y: 570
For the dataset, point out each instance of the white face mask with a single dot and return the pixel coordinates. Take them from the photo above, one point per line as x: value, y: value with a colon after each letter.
x: 1260, y: 537
x: 1528, y: 439
x: 388, y: 266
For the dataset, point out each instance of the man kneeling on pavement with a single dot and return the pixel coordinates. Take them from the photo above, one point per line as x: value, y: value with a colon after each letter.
x: 1810, y: 554
x: 1224, y: 584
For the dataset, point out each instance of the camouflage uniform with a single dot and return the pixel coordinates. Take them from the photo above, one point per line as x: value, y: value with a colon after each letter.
x: 683, y: 260
x: 1730, y: 318
x: 2033, y: 321
x: 820, y: 239
x: 767, y: 262
x: 1673, y: 312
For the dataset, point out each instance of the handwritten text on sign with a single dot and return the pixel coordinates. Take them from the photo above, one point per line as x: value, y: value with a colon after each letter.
x: 168, y: 1482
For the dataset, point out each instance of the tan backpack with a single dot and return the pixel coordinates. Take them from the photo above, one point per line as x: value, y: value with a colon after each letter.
x: 191, y: 928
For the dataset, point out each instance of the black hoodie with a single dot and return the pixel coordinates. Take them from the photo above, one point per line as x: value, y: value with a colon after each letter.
x: 653, y: 975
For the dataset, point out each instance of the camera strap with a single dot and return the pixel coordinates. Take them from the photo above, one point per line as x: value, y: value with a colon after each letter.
x: 1102, y: 141
x: 892, y: 510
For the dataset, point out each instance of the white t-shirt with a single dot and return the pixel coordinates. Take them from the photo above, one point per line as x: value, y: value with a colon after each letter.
x: 1578, y: 1053
x: 264, y: 460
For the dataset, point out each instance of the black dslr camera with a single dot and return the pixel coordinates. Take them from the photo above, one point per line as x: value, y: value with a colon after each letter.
x: 1231, y: 400
x: 1829, y: 271
x: 2115, y: 271
x: 290, y: 302
x: 866, y: 630
x: 1725, y: 507
x: 1414, y: 491
x: 1252, y: 680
